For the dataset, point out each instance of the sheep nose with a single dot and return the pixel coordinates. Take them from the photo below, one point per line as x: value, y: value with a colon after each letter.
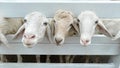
x: 58, y: 41
x: 85, y: 41
x: 29, y: 36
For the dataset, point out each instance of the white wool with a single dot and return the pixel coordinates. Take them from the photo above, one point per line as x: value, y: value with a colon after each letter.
x: 9, y: 26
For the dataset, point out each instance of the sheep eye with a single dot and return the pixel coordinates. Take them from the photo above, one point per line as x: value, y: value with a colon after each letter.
x: 54, y: 21
x: 78, y: 20
x: 45, y: 23
x: 74, y: 33
x: 96, y: 22
x: 25, y: 20
x: 71, y: 25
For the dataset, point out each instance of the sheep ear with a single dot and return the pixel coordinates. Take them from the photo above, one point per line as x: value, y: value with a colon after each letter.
x: 20, y: 32
x: 53, y: 27
x: 101, y: 27
x: 75, y: 24
x: 3, y: 39
x: 72, y: 32
x: 49, y: 34
x: 116, y: 36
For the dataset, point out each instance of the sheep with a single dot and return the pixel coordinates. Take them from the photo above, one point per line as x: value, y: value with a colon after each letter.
x: 88, y: 21
x: 112, y: 25
x: 34, y: 29
x: 63, y: 26
x: 9, y: 26
x: 63, y: 21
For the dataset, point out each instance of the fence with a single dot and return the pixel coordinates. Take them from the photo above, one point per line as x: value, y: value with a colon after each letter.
x: 101, y: 45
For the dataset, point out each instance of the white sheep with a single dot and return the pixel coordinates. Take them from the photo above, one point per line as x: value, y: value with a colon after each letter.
x: 88, y: 21
x: 63, y: 22
x: 112, y: 26
x: 8, y: 26
x: 34, y: 29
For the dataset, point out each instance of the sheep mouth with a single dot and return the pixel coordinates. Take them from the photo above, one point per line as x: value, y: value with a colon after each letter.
x: 58, y: 44
x: 29, y: 45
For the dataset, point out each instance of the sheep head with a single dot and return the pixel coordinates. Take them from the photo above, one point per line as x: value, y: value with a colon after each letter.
x: 88, y: 21
x: 33, y: 30
x: 63, y: 21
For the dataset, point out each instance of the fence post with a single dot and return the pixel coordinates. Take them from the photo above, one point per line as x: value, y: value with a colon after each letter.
x: 116, y: 60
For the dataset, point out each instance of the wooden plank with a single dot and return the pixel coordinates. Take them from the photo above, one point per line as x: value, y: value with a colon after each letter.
x: 54, y: 65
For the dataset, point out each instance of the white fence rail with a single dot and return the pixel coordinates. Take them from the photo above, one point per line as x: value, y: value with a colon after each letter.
x: 47, y: 65
x: 100, y: 46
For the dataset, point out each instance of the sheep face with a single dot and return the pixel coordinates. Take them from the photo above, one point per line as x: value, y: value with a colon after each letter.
x: 61, y: 31
x: 62, y: 23
x: 88, y: 21
x: 34, y: 28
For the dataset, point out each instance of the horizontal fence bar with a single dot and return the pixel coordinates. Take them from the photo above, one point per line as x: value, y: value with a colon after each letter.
x: 101, y: 46
x: 54, y: 65
x: 18, y: 9
x: 66, y: 49
x: 97, y: 39
x: 61, y: 1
